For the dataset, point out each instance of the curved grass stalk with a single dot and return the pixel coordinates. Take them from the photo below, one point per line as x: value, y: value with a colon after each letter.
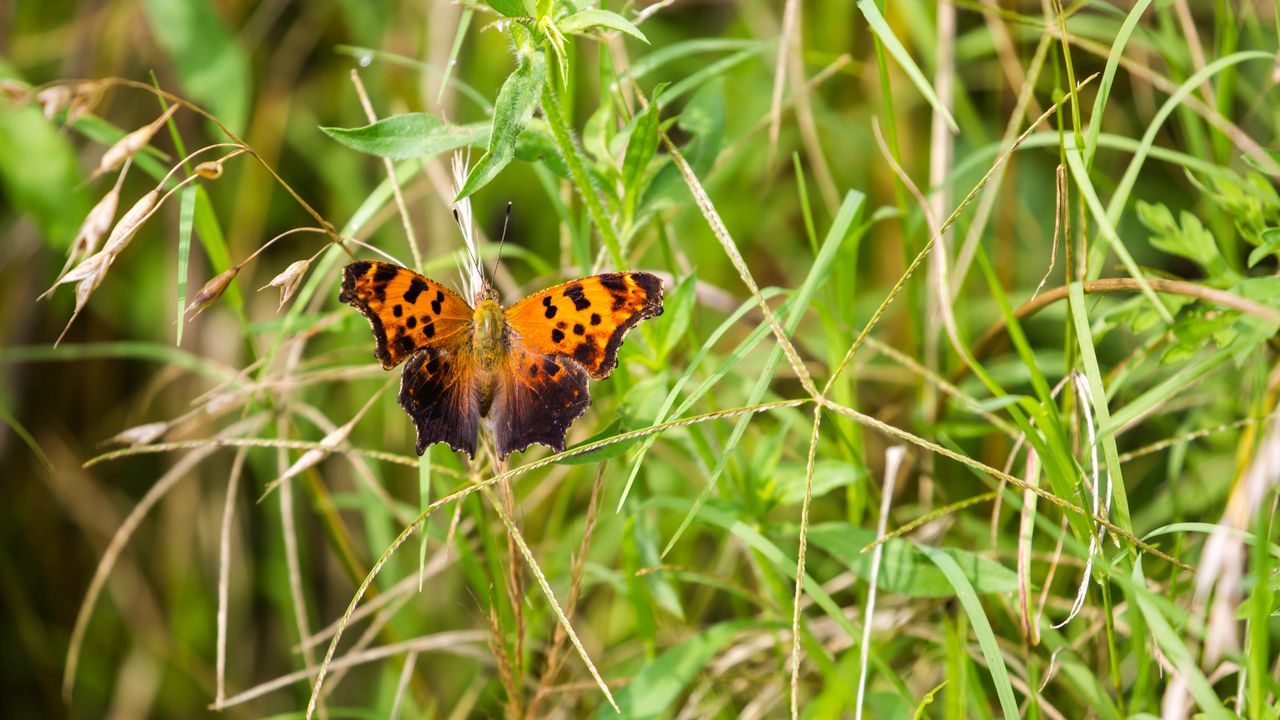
x: 1066, y: 505
x: 180, y: 471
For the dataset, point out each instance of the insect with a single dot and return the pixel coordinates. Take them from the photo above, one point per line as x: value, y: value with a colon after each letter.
x: 521, y: 370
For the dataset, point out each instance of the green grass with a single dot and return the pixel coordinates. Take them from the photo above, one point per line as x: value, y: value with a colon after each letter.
x: 962, y: 404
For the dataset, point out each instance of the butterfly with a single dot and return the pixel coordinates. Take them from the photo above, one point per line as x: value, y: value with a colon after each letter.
x: 521, y: 370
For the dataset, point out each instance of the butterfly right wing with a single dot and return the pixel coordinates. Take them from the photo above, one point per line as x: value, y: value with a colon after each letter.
x: 407, y: 311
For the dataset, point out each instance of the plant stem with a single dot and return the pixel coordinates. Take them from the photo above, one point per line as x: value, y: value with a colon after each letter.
x: 572, y: 154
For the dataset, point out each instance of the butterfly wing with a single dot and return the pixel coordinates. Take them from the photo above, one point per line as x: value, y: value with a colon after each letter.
x: 438, y: 390
x: 586, y: 319
x: 408, y: 312
x: 420, y: 319
x: 537, y: 399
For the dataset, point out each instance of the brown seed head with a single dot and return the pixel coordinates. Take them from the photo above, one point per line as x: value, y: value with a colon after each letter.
x: 141, y: 434
x: 53, y: 99
x: 130, y: 222
x: 210, y: 169
x: 95, y: 269
x: 96, y: 224
x: 289, y: 280
x: 15, y: 92
x: 129, y: 145
x: 213, y: 290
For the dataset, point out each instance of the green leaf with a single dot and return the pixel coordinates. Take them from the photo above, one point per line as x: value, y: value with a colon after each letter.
x: 1185, y: 237
x: 641, y: 147
x: 904, y: 567
x: 212, y: 65
x: 516, y: 102
x: 1270, y: 246
x: 680, y: 304
x: 827, y: 476
x: 1170, y: 642
x: 186, y: 222
x: 981, y: 628
x: 512, y: 8
x: 409, y: 135
x: 588, y: 19
x: 900, y: 53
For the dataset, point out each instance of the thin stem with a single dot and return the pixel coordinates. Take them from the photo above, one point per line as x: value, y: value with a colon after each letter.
x: 554, y: 113
x: 410, y: 237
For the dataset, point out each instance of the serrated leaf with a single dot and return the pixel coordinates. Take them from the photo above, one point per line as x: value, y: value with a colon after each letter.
x: 587, y: 19
x: 409, y: 135
x: 1185, y: 237
x: 516, y: 102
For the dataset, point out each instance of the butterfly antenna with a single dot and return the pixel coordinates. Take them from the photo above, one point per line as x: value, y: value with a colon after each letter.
x: 502, y: 240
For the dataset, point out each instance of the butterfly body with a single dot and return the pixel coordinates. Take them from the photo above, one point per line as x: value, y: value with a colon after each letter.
x: 490, y: 335
x: 521, y: 371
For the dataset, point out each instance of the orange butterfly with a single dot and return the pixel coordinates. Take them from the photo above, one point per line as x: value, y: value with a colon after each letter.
x: 522, y: 369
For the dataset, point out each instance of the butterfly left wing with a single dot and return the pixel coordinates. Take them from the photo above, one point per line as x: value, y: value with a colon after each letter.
x: 586, y: 319
x: 537, y: 398
x: 408, y: 312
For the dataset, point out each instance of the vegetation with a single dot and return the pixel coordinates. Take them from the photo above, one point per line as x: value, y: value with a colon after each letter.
x: 961, y: 404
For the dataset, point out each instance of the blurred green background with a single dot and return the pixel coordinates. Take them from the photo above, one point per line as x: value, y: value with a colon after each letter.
x: 663, y: 630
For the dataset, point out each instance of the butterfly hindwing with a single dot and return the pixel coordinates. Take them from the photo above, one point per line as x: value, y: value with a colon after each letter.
x: 439, y: 392
x: 586, y: 319
x: 538, y: 397
x: 408, y: 312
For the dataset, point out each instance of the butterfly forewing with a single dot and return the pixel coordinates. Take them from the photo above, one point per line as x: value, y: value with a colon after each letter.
x: 586, y: 319
x: 408, y: 312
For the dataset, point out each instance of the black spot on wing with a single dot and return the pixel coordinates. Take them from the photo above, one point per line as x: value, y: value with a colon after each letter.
x: 556, y: 335
x: 614, y: 282
x: 585, y: 353
x: 412, y: 322
x: 550, y: 366
x: 398, y: 310
x: 575, y: 293
x: 595, y: 318
x: 404, y: 345
x: 416, y: 287
x: 651, y: 286
x: 385, y: 273
x: 578, y: 329
x: 551, y: 309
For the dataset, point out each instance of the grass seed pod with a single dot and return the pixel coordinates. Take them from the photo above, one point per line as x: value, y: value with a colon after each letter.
x: 289, y: 280
x: 130, y: 222
x: 129, y: 145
